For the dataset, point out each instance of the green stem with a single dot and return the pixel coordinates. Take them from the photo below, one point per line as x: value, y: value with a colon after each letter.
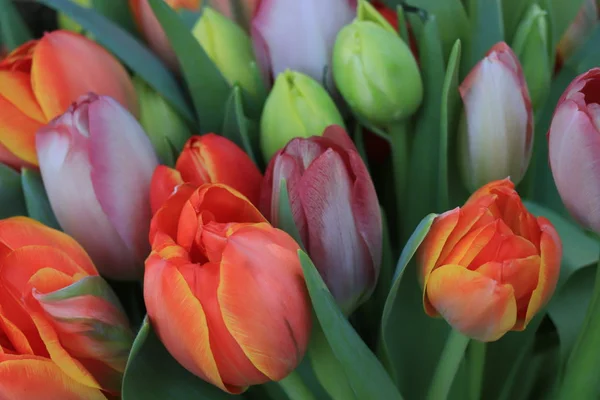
x: 476, y: 363
x: 580, y: 379
x: 400, y: 163
x: 294, y: 387
x: 447, y: 367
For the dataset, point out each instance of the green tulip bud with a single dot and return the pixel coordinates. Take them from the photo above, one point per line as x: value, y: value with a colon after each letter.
x: 531, y: 46
x: 298, y: 106
x: 375, y: 70
x: 165, y: 128
x: 230, y: 48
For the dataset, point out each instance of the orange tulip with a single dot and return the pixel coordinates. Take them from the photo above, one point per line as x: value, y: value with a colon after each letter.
x: 40, y: 80
x: 207, y: 159
x: 63, y: 334
x: 225, y: 290
x: 490, y: 265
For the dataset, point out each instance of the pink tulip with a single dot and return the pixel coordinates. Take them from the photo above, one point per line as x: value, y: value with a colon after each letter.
x: 574, y: 148
x: 97, y: 163
x: 335, y: 208
x: 299, y: 35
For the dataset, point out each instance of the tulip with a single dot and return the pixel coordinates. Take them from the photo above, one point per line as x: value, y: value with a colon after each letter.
x: 299, y: 35
x: 574, y: 148
x: 207, y: 159
x: 489, y: 266
x: 230, y: 49
x: 496, y: 131
x: 40, y: 80
x: 63, y: 334
x: 152, y: 30
x: 209, y: 245
x: 335, y: 208
x: 296, y: 107
x: 96, y: 164
x: 375, y: 70
x: 578, y: 32
x: 167, y: 131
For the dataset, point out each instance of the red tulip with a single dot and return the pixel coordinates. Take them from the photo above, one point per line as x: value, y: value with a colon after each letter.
x: 574, y: 148
x: 335, y: 208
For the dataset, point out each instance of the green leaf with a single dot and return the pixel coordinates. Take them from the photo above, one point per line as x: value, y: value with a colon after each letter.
x: 153, y: 374
x: 448, y: 120
x: 13, y: 31
x: 208, y: 88
x: 563, y: 14
x: 116, y: 12
x: 513, y: 12
x: 365, y: 374
x: 425, y: 154
x: 12, y: 201
x: 487, y: 28
x: 36, y: 199
x: 236, y: 126
x: 403, y: 317
x: 129, y: 50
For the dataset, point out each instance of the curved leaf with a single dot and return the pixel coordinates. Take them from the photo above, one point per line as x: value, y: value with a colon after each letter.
x: 36, y: 199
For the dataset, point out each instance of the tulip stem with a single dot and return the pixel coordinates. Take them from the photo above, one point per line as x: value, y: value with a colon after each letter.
x: 447, y: 367
x: 400, y: 163
x: 294, y: 387
x: 580, y: 379
x: 476, y: 363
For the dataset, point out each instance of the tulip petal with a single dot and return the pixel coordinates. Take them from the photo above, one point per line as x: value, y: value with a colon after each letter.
x: 551, y: 254
x: 163, y: 184
x: 28, y: 377
x: 17, y: 339
x: 117, y: 143
x: 472, y: 303
x: 15, y: 87
x: 18, y: 132
x: 271, y: 322
x: 166, y: 219
x: 180, y: 320
x: 63, y: 63
x: 471, y: 245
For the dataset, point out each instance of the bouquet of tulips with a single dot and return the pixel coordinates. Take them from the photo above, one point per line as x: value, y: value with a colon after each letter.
x: 300, y: 200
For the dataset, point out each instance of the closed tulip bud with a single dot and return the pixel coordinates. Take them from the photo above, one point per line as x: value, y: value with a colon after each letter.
x: 578, y: 32
x: 167, y: 131
x: 153, y: 32
x: 299, y: 35
x: 531, y: 47
x: 230, y: 49
x: 496, y: 129
x: 489, y: 266
x: 296, y: 107
x: 207, y: 159
x: 63, y: 333
x: 574, y: 148
x: 335, y: 208
x: 97, y: 163
x: 375, y: 70
x: 40, y: 80
x: 209, y: 245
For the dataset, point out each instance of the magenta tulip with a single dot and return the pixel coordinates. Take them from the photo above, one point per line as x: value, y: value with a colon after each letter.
x: 335, y: 208
x: 574, y: 148
x: 299, y: 35
x: 97, y: 163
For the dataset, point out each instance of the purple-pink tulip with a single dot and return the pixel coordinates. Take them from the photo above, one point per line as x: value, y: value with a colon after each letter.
x: 299, y: 35
x: 335, y: 208
x: 97, y: 164
x: 574, y: 148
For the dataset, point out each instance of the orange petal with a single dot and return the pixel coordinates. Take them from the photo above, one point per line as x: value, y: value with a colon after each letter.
x: 15, y: 86
x: 28, y: 377
x: 551, y: 254
x: 166, y: 219
x: 163, y: 184
x: 226, y: 204
x: 487, y: 189
x: 471, y: 244
x: 17, y: 132
x: 474, y: 304
x: 21, y: 231
x: 62, y: 69
x: 17, y: 339
x: 179, y: 320
x: 272, y: 321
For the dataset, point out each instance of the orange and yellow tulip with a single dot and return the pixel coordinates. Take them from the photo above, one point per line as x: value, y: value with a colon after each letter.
x: 207, y: 159
x: 225, y: 290
x: 490, y: 265
x: 39, y: 81
x: 63, y: 334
